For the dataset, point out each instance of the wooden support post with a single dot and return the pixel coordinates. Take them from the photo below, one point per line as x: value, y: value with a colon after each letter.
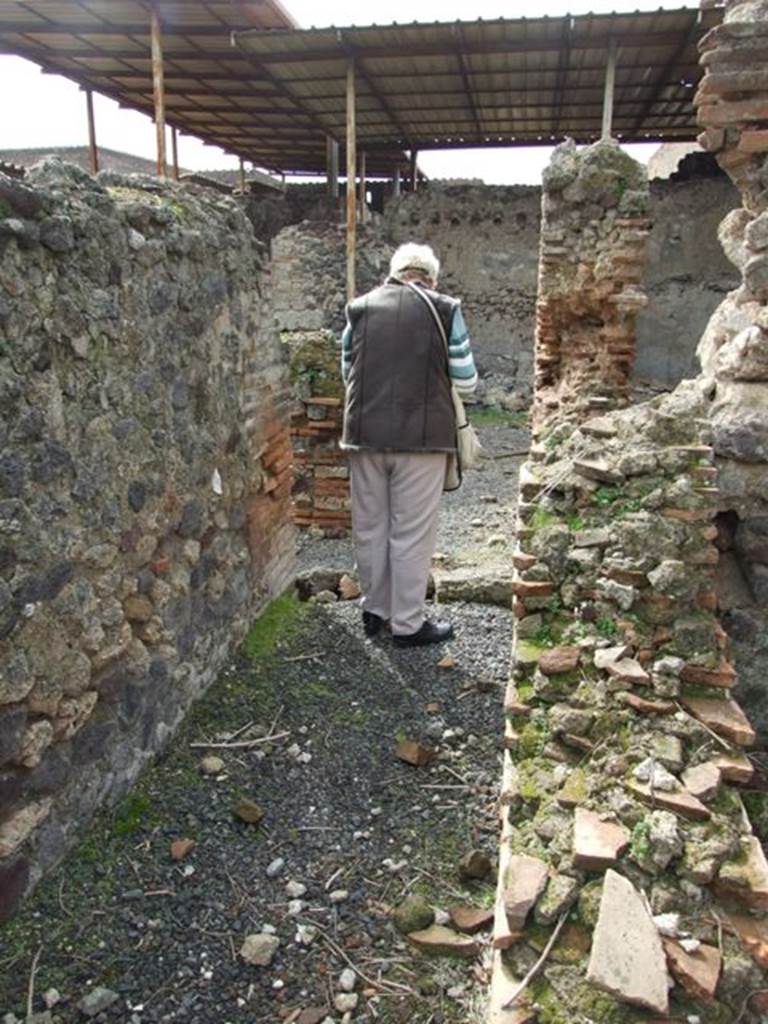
x: 396, y: 182
x: 332, y: 166
x: 363, y: 207
x: 93, y: 151
x: 158, y: 87
x: 175, y: 152
x: 351, y: 177
x: 414, y: 170
x: 610, y: 82
x: 242, y: 175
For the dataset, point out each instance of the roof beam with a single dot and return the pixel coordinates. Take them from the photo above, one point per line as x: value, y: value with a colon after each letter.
x: 529, y: 45
x: 457, y: 32
x: 562, y: 68
x: 362, y: 74
x: 669, y: 67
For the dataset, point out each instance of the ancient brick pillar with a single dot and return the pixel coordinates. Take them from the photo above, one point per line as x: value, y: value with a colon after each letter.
x: 593, y: 241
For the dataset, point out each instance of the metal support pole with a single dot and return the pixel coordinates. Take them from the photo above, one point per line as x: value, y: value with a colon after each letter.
x: 242, y: 175
x: 332, y: 166
x: 414, y: 170
x: 351, y: 176
x: 363, y: 207
x: 610, y: 82
x: 396, y: 182
x: 175, y: 152
x: 93, y: 151
x: 158, y: 87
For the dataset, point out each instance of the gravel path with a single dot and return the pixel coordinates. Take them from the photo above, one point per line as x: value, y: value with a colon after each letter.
x: 347, y: 830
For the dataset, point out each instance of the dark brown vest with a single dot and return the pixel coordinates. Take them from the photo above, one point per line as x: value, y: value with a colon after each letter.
x: 398, y: 390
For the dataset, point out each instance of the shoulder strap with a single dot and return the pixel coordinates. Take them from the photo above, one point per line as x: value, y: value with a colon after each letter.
x: 436, y: 316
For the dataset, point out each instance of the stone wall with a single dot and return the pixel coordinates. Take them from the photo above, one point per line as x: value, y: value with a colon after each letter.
x: 144, y: 483
x: 621, y: 819
x: 732, y: 103
x: 488, y: 240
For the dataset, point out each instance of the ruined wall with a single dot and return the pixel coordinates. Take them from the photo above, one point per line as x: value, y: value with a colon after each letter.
x: 623, y: 823
x: 593, y: 240
x: 732, y: 103
x: 144, y: 483
x: 487, y: 238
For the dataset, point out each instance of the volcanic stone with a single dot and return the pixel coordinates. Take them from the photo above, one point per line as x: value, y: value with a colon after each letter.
x: 627, y: 958
x: 259, y: 949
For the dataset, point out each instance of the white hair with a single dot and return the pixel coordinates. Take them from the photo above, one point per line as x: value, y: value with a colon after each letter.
x: 420, y: 259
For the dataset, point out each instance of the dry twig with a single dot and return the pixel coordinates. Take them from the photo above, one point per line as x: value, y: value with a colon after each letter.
x: 240, y: 744
x: 31, y: 986
x: 392, y: 985
x: 538, y: 965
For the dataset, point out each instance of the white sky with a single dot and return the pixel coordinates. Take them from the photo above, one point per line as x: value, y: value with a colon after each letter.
x: 49, y: 110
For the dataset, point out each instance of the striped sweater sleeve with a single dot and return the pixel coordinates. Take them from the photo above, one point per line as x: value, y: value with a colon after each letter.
x: 461, y: 364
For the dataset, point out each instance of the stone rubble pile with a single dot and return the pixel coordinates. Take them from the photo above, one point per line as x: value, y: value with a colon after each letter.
x: 625, y: 746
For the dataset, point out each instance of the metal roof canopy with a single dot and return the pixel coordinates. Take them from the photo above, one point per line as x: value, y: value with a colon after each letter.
x: 505, y: 82
x: 210, y: 89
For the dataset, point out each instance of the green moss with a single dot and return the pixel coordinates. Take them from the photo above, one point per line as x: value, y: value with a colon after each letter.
x: 133, y: 814
x: 542, y: 518
x: 607, y: 629
x: 604, y: 497
x: 490, y: 416
x: 640, y: 844
x: 279, y: 620
x: 757, y: 808
x: 575, y: 789
x: 570, y: 999
x: 534, y: 736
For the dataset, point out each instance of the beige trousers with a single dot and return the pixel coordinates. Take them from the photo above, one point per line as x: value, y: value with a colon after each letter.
x: 395, y: 500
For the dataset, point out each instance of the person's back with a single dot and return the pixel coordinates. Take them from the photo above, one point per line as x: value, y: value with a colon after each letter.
x: 398, y: 395
x: 399, y: 425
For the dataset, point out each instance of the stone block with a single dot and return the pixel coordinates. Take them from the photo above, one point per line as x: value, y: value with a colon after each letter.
x: 627, y: 959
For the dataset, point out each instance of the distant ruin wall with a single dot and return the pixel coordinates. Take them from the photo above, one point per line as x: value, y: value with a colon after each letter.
x: 144, y: 483
x: 487, y: 238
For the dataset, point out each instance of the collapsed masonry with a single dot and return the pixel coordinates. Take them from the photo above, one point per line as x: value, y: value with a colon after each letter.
x: 145, y: 475
x: 623, y: 826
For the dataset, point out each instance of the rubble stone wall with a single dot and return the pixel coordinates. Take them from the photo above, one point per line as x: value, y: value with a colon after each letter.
x: 623, y: 741
x: 144, y: 483
x: 487, y: 238
x: 624, y: 827
x: 732, y: 103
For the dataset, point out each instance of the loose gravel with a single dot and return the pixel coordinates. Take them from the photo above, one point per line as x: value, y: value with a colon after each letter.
x: 345, y: 829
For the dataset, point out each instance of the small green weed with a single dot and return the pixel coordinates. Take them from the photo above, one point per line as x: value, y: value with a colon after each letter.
x: 604, y: 497
x: 607, y: 629
x: 132, y: 814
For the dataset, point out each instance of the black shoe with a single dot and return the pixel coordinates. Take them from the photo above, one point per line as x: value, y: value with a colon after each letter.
x: 372, y: 623
x: 430, y: 633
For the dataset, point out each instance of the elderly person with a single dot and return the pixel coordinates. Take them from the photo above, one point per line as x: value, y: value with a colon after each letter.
x: 399, y: 425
